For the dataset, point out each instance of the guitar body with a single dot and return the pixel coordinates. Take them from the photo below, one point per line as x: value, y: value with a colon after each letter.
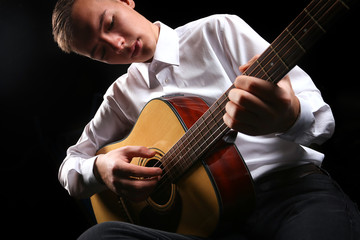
x: 218, y: 187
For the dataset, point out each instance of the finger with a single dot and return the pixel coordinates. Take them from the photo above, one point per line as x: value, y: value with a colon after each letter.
x: 144, y: 172
x: 285, y: 83
x: 248, y: 108
x: 242, y: 127
x: 137, y: 151
x: 266, y: 91
x: 244, y: 100
x: 240, y: 115
x: 126, y: 170
x: 136, y: 184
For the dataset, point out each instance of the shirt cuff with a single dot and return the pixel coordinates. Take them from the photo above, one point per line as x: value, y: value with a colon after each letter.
x: 90, y: 180
x: 298, y: 132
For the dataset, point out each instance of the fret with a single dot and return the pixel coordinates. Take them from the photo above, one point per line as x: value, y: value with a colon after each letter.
x: 291, y: 53
x: 205, y: 127
x: 252, y: 70
x: 174, y: 173
x: 274, y: 54
x: 265, y: 75
x: 301, y: 30
x: 321, y: 13
x: 180, y: 154
x: 337, y: 9
x: 200, y: 137
x: 169, y: 170
x: 296, y: 41
x: 208, y: 126
x: 168, y: 162
x: 210, y: 118
x: 195, y: 141
x: 316, y: 9
x: 272, y: 64
x: 314, y: 20
x: 344, y: 4
x: 177, y: 148
x: 219, y: 105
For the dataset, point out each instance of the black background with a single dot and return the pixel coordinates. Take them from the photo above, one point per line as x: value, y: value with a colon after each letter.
x: 47, y: 97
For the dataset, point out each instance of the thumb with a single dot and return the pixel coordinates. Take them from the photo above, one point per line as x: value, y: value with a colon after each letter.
x: 244, y: 67
x: 285, y: 83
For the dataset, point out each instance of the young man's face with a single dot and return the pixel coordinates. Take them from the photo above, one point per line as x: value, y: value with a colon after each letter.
x: 112, y: 31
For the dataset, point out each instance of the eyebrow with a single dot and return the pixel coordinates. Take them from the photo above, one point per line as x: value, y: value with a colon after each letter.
x: 101, y: 20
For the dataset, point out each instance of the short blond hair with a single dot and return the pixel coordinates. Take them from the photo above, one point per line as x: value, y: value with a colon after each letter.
x: 62, y: 25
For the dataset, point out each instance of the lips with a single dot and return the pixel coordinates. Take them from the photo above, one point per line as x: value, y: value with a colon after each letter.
x: 135, y: 48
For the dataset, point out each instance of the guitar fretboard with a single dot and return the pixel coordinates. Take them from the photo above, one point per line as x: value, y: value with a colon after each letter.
x: 277, y: 60
x: 293, y: 43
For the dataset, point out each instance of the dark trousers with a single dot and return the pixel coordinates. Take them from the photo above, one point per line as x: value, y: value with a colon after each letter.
x: 311, y: 206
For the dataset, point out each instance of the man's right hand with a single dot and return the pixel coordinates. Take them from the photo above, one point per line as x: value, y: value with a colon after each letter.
x: 125, y: 179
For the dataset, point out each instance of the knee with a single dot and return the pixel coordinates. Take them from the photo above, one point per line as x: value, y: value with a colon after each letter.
x: 102, y: 231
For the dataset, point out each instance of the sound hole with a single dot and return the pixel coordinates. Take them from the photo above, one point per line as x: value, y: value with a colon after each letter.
x: 164, y: 209
x: 164, y: 204
x: 164, y: 193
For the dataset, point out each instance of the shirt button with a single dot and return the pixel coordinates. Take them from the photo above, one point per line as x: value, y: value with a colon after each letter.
x: 166, y: 80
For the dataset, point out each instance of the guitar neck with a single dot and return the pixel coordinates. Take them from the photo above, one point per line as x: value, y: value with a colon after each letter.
x: 297, y: 38
x: 272, y: 65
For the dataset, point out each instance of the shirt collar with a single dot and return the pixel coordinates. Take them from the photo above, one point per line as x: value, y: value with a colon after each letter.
x: 166, y: 54
x: 167, y: 47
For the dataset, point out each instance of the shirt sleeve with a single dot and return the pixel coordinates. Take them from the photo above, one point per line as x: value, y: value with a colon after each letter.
x: 315, y: 124
x: 109, y: 124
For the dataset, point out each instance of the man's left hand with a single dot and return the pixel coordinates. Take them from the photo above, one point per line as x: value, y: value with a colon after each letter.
x: 258, y: 107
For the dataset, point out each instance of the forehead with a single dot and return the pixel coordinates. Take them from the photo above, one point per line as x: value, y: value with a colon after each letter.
x: 85, y: 18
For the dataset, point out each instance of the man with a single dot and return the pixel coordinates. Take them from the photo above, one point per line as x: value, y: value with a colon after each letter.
x: 276, y: 123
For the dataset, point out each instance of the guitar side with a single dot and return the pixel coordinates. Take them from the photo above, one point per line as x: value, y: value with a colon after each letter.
x: 197, y: 202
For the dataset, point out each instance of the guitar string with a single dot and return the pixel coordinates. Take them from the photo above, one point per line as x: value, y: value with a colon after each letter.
x: 313, y: 21
x: 186, y: 139
x: 251, y: 74
x: 188, y: 153
x: 163, y: 183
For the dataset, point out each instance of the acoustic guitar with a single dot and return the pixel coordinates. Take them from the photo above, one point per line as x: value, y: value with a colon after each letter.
x: 205, y: 182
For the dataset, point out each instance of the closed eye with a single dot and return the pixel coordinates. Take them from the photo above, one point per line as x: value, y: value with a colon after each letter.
x: 111, y: 25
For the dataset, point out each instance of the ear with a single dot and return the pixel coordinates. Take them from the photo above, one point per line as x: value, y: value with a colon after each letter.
x: 131, y: 3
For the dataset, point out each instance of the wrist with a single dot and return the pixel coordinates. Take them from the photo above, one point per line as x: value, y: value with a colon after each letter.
x: 299, y: 131
x: 295, y: 112
x: 96, y: 170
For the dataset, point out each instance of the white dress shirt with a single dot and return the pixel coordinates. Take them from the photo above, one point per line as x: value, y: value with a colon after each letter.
x: 200, y: 58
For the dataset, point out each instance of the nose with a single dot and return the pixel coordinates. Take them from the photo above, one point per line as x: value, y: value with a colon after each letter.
x: 116, y: 42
